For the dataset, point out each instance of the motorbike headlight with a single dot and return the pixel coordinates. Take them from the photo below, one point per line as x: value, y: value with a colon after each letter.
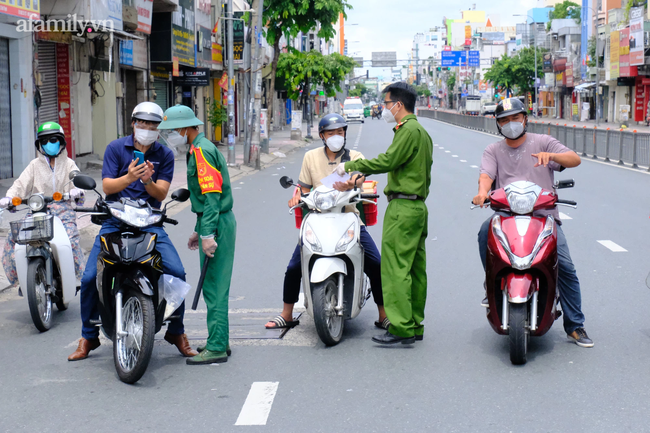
x: 36, y: 202
x: 325, y: 200
x: 137, y: 217
x: 345, y: 240
x: 517, y: 262
x: 522, y: 203
x: 310, y: 237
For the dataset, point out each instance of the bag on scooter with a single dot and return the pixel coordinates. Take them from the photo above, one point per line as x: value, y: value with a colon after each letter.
x: 174, y: 293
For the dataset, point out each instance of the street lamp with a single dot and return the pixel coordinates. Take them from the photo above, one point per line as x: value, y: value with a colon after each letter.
x: 535, y: 48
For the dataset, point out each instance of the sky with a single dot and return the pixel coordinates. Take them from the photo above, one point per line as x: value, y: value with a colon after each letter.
x: 390, y: 25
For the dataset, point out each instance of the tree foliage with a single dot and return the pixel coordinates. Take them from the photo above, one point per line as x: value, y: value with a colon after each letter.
x: 290, y: 17
x: 423, y: 90
x: 517, y: 73
x: 566, y: 9
x: 359, y: 90
x: 303, y: 70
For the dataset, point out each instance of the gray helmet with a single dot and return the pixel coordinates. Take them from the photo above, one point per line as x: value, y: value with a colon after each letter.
x: 332, y: 121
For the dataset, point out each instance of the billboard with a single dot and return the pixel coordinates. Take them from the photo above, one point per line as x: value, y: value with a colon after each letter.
x: 614, y: 55
x: 27, y: 10
x: 636, y: 36
x: 459, y: 58
x: 384, y: 59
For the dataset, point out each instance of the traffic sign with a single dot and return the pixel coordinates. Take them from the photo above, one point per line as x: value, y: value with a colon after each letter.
x: 384, y: 59
x: 459, y: 58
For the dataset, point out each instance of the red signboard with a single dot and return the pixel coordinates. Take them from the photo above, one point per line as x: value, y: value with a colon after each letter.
x: 468, y: 42
x: 447, y: 48
x: 639, y: 100
x: 65, y: 101
x: 569, y: 75
x: 624, y: 58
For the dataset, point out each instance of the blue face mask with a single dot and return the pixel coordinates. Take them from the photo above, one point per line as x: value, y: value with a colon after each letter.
x: 51, y: 149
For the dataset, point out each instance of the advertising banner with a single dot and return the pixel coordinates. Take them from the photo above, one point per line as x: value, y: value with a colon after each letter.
x: 192, y: 77
x: 636, y: 36
x: 547, y: 62
x: 639, y: 100
x: 614, y: 55
x: 27, y: 9
x: 101, y: 10
x: 183, y: 33
x: 63, y: 96
x: 126, y: 52
x: 145, y: 9
x: 217, y: 54
x: 625, y: 69
x: 204, y: 47
x: 569, y: 75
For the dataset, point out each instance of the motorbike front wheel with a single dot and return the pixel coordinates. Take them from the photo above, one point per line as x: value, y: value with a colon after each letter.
x: 518, y: 333
x: 40, y: 302
x: 329, y: 325
x: 132, y: 352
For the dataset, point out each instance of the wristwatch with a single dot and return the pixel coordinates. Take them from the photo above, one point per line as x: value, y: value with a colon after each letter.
x: 147, y: 182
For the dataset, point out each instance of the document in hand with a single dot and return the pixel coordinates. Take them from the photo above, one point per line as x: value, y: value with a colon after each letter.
x: 330, y: 180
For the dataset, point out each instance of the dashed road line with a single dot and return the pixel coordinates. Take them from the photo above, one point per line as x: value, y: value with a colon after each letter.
x: 454, y: 156
x: 447, y: 151
x: 258, y: 404
x: 613, y: 246
x: 462, y: 160
x: 473, y: 166
x: 564, y: 216
x: 441, y: 148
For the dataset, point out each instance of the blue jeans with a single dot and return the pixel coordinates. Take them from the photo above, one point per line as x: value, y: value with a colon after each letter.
x: 89, y: 298
x: 568, y: 283
x: 371, y: 267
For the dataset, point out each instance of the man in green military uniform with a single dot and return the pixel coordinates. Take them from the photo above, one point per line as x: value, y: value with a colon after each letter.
x: 408, y: 163
x: 211, y: 196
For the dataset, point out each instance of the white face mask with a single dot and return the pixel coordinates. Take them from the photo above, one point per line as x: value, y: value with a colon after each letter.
x: 335, y: 143
x: 174, y: 139
x: 144, y: 136
x: 512, y: 130
x: 388, y: 116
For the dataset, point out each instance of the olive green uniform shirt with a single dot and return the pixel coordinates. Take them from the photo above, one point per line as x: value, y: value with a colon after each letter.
x: 208, y: 205
x: 407, y: 161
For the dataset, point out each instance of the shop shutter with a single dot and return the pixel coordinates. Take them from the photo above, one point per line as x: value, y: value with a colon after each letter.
x: 6, y: 167
x: 48, y: 111
x: 161, y: 94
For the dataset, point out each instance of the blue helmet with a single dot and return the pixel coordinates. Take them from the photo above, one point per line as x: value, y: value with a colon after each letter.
x: 332, y: 121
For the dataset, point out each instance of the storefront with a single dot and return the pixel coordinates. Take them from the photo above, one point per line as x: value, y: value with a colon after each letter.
x: 133, y: 72
x: 5, y: 111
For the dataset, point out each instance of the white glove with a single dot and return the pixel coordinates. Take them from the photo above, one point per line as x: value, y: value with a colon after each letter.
x: 340, y: 169
x: 75, y: 193
x: 209, y: 245
x: 5, y: 202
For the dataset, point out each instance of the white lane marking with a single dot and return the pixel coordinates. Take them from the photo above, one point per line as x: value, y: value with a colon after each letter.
x: 564, y: 216
x: 447, y: 151
x: 473, y: 166
x: 613, y: 246
x: 454, y: 156
x: 441, y: 148
x: 435, y: 145
x: 258, y: 404
x: 462, y: 160
x: 356, y: 142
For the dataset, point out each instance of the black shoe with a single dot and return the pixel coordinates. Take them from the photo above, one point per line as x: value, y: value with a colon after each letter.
x: 389, y: 338
x: 580, y: 337
x: 419, y: 337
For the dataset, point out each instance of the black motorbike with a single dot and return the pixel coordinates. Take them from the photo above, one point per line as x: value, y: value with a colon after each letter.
x: 132, y: 307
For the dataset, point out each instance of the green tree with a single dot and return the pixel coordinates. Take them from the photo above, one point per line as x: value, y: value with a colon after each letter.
x: 304, y: 70
x: 359, y: 90
x: 451, y: 83
x: 566, y: 9
x: 290, y: 17
x: 516, y: 73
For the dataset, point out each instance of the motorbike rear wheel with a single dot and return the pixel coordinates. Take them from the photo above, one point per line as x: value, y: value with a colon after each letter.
x: 518, y: 333
x: 40, y: 303
x: 329, y: 325
x: 132, y: 352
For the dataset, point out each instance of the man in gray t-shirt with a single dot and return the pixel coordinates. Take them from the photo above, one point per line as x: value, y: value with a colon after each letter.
x: 535, y: 158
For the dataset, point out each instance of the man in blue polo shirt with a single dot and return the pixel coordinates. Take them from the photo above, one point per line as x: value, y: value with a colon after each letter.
x: 149, y: 180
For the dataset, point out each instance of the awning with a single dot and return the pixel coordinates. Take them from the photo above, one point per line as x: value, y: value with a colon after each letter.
x: 583, y: 86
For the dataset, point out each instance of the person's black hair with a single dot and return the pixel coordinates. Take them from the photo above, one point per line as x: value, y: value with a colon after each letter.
x: 404, y: 93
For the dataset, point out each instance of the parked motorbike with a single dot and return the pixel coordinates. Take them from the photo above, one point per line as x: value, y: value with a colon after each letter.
x: 44, y: 258
x: 132, y: 306
x: 522, y: 265
x: 334, y: 283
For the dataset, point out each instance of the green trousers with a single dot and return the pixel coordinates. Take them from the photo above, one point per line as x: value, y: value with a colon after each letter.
x: 404, y: 266
x: 216, y: 286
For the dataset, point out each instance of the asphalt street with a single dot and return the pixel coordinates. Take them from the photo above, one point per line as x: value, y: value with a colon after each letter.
x: 458, y: 379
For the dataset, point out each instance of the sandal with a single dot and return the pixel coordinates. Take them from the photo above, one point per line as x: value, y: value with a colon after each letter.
x: 384, y: 324
x: 280, y: 323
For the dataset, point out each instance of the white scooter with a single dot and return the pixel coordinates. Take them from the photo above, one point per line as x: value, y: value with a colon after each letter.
x: 44, y: 259
x: 334, y: 283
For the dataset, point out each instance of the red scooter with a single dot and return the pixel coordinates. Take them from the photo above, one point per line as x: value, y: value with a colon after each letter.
x: 522, y: 264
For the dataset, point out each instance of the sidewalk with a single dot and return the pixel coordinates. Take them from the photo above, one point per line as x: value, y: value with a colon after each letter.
x: 280, y: 144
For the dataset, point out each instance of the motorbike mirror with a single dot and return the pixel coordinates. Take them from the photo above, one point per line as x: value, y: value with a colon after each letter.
x: 567, y: 183
x: 83, y: 181
x: 286, y: 182
x: 181, y: 195
x: 73, y: 174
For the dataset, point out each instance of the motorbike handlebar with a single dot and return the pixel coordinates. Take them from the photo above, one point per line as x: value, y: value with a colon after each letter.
x: 569, y: 202
x: 369, y: 196
x: 170, y: 221
x: 84, y: 209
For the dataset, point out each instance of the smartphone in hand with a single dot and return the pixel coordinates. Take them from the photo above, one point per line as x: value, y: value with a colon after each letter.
x: 139, y: 156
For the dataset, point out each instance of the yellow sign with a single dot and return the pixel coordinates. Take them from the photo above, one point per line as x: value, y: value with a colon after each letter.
x: 25, y: 9
x: 468, y: 32
x: 614, y: 54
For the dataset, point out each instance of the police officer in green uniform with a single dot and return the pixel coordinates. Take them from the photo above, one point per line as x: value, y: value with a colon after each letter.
x: 408, y: 163
x: 211, y: 196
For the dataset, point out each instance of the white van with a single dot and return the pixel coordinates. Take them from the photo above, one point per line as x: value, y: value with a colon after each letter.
x: 353, y: 109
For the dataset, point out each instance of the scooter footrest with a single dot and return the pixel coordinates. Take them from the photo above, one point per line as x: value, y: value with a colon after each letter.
x: 558, y: 314
x: 96, y: 322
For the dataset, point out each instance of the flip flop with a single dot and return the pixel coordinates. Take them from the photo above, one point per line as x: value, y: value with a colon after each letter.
x: 280, y: 323
x: 384, y: 324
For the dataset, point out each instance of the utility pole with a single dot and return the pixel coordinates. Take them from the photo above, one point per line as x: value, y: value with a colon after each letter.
x: 256, y: 87
x: 231, y: 87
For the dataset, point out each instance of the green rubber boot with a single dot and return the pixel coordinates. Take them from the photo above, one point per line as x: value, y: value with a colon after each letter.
x: 202, y: 348
x: 207, y: 357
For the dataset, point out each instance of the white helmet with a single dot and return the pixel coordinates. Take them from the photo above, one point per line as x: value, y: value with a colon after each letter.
x: 148, y: 111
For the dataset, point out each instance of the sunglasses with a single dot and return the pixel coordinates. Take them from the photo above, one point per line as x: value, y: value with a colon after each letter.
x: 48, y: 140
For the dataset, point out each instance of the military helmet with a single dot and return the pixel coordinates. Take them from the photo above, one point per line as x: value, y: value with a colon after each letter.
x: 179, y: 116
